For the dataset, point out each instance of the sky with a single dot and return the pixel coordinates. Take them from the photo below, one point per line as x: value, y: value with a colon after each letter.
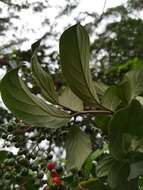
x: 32, y: 21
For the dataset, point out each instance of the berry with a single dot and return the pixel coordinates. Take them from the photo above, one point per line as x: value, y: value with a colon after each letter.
x: 51, y: 165
x: 54, y: 174
x: 57, y: 181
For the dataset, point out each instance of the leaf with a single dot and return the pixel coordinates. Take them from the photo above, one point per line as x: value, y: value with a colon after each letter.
x: 102, y: 122
x: 110, y: 99
x: 126, y: 121
x: 136, y: 169
x: 78, y: 147
x: 74, y: 57
x: 117, y: 95
x: 104, y: 166
x: 93, y: 156
x: 93, y: 184
x: 3, y: 155
x: 100, y: 87
x: 135, y: 78
x: 44, y: 80
x: 118, y: 174
x: 27, y: 106
x: 70, y: 100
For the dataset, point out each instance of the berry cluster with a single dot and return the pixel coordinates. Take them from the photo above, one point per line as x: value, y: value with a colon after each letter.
x: 55, y: 177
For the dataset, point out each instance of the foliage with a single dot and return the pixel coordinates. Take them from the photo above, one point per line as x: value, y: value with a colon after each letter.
x: 118, y: 167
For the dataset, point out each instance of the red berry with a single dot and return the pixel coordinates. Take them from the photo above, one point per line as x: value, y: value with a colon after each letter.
x: 51, y: 166
x: 54, y: 174
x: 57, y: 181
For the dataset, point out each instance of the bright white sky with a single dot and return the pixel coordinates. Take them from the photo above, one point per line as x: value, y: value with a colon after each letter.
x: 32, y: 21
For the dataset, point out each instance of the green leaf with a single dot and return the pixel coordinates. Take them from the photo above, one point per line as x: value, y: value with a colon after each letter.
x: 93, y: 156
x: 93, y: 184
x: 104, y: 166
x: 110, y: 98
x: 117, y: 95
x: 102, y: 122
x: 100, y: 87
x: 136, y: 169
x: 44, y: 80
x: 126, y: 121
x: 135, y: 78
x: 3, y: 155
x: 70, y: 100
x: 27, y: 106
x: 74, y: 57
x: 78, y: 147
x: 117, y: 177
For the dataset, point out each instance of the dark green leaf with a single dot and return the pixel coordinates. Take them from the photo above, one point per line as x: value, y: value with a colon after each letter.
x: 118, y: 174
x: 3, y: 155
x: 74, y: 55
x: 27, y: 106
x: 78, y: 147
x: 136, y: 169
x: 88, y: 163
x: 93, y: 184
x: 104, y: 166
x: 128, y: 120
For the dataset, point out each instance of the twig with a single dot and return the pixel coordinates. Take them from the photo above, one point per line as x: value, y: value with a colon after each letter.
x: 97, y: 112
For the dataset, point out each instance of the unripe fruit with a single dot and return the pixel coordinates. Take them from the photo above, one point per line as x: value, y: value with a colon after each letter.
x: 51, y: 165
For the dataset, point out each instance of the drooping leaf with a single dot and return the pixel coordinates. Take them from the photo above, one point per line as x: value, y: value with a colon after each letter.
x: 70, y: 100
x: 78, y: 147
x: 27, y: 106
x: 126, y: 121
x: 93, y: 184
x: 74, y: 56
x: 44, y: 80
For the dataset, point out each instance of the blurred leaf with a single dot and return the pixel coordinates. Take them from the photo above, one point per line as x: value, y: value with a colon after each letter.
x: 78, y: 147
x: 93, y: 184
x: 29, y: 107
x: 126, y: 121
x: 118, y: 174
x: 135, y: 78
x: 70, y: 100
x: 3, y: 155
x: 136, y: 169
x: 102, y: 122
x: 74, y: 55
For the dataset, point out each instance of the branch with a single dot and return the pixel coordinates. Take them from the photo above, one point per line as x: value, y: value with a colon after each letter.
x: 97, y: 112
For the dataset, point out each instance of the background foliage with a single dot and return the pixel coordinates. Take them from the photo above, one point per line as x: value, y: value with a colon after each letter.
x: 114, y: 51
